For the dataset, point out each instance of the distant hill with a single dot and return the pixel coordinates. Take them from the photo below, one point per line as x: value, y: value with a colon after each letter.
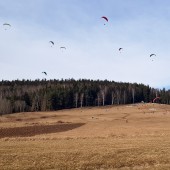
x: 48, y: 95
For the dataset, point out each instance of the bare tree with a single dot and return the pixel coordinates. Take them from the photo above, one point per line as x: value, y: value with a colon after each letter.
x: 98, y: 99
x: 19, y: 106
x: 5, y: 106
x: 118, y: 96
x: 81, y: 99
x: 133, y: 95
x: 44, y: 103
x: 103, y: 96
x: 124, y: 97
x: 35, y: 103
x: 113, y: 97
x: 76, y: 99
x: 103, y: 93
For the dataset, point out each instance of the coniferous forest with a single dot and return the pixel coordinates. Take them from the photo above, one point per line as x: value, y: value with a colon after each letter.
x: 49, y: 95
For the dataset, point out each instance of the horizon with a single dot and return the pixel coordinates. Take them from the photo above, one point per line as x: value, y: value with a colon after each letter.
x: 42, y: 79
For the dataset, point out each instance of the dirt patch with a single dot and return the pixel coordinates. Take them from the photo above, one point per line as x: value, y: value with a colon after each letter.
x: 28, y: 131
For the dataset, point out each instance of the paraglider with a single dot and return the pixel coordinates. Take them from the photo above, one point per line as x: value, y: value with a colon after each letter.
x: 6, y: 26
x: 63, y: 48
x: 152, y: 55
x: 44, y: 73
x: 156, y: 98
x: 120, y: 49
x: 105, y: 18
x: 52, y: 43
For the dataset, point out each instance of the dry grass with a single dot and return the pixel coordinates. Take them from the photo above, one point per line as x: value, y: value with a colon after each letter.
x: 124, y: 137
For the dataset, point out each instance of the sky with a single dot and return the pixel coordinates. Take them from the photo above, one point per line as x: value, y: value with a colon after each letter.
x: 92, y: 44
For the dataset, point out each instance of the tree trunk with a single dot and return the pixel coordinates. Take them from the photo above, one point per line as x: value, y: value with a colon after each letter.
x: 81, y: 99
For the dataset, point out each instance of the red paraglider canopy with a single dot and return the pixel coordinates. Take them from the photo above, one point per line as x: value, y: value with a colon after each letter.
x: 155, y: 99
x: 105, y: 18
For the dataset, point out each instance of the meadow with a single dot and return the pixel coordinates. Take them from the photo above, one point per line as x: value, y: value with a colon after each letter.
x: 125, y: 137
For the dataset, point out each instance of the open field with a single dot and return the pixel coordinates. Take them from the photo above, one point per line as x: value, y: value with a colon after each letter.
x: 112, y: 137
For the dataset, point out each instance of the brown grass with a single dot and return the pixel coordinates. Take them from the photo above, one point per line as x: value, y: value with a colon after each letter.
x: 122, y: 137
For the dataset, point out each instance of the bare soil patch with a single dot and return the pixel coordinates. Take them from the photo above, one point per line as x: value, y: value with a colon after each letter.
x: 28, y: 131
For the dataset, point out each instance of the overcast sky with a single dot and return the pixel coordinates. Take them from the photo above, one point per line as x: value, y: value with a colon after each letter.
x: 140, y: 27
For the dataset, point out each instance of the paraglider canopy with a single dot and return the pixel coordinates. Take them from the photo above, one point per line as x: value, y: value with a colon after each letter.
x: 44, y: 73
x: 63, y: 48
x: 156, y: 98
x: 120, y: 49
x: 152, y: 55
x: 6, y: 26
x: 105, y: 18
x: 52, y: 43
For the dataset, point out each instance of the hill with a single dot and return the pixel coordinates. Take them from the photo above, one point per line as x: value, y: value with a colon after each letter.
x: 124, y: 137
x: 50, y: 95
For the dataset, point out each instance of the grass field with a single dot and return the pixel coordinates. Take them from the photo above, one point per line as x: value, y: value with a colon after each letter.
x: 112, y: 137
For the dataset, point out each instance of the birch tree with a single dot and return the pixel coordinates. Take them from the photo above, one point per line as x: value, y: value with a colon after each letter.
x: 81, y: 99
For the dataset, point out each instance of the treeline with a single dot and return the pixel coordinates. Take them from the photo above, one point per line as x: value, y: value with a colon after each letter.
x: 49, y: 95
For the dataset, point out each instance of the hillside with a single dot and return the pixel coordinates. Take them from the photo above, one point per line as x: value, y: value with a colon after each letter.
x: 121, y: 137
x: 50, y: 95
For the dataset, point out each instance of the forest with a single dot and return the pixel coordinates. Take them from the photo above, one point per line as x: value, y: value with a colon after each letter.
x: 49, y: 95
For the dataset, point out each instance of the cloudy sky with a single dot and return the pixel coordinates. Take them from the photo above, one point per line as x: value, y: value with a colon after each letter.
x: 92, y: 44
